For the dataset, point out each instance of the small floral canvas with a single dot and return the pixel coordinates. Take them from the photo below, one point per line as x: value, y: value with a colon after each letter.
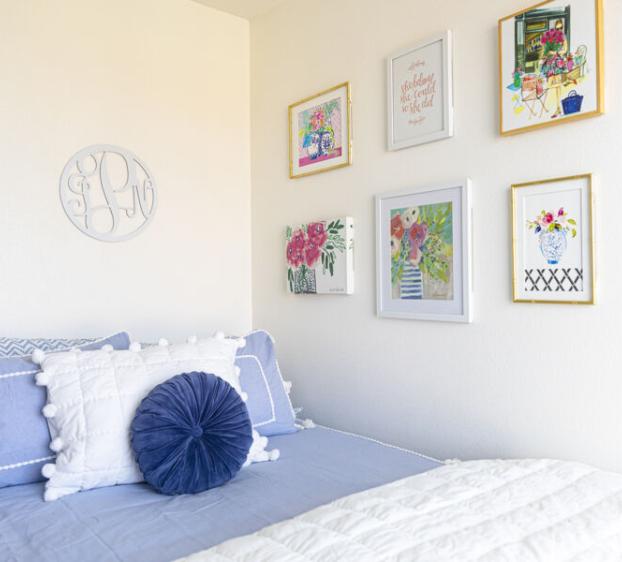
x: 320, y: 257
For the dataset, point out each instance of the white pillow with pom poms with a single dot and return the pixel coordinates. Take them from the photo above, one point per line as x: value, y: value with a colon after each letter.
x: 92, y: 399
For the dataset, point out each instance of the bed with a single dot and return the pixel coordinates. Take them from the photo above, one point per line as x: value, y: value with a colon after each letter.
x: 132, y: 522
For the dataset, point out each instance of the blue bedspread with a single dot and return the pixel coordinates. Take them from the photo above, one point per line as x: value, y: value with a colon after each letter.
x: 134, y: 523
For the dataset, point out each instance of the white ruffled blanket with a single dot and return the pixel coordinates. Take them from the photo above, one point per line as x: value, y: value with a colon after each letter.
x: 518, y: 511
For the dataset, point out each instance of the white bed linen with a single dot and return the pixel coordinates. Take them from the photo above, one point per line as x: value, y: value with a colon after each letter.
x: 519, y: 511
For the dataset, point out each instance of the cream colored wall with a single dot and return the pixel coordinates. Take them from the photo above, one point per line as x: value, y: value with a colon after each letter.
x: 168, y: 79
x: 523, y: 380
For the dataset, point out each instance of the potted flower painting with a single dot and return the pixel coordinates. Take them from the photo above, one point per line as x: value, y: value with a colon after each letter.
x: 553, y: 241
x: 421, y: 252
x: 552, y: 229
x: 320, y: 257
x: 424, y: 253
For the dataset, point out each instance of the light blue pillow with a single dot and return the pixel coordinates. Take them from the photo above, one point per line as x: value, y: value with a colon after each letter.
x: 24, y: 435
x: 268, y: 402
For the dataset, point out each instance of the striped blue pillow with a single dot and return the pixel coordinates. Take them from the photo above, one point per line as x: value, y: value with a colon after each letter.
x: 24, y: 434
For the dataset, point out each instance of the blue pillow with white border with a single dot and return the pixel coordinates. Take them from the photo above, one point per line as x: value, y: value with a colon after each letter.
x: 24, y: 433
x: 268, y: 401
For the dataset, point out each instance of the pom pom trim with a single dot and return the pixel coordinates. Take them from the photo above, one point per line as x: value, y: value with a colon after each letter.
x: 49, y: 411
x: 42, y: 379
x: 48, y: 470
x: 38, y: 356
x: 57, y: 445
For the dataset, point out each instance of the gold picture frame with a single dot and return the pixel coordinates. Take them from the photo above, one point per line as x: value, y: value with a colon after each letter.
x: 317, y: 155
x: 555, y: 279
x: 530, y: 99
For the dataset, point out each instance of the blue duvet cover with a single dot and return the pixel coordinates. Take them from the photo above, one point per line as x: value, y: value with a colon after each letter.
x: 134, y: 523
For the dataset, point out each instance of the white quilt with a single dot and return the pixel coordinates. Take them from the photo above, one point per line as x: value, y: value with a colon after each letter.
x: 518, y: 511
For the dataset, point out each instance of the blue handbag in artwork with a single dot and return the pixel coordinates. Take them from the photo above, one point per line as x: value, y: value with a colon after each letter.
x: 572, y: 103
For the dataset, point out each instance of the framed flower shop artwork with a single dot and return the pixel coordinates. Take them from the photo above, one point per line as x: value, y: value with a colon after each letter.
x: 423, y: 241
x: 420, y: 93
x: 553, y: 241
x: 320, y: 136
x: 550, y: 65
x: 320, y: 257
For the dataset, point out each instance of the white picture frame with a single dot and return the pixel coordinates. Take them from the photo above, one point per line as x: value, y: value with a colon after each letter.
x: 420, y: 104
x: 443, y: 272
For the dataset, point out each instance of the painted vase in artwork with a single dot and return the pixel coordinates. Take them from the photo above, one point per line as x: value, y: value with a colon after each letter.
x: 552, y: 229
x: 553, y: 245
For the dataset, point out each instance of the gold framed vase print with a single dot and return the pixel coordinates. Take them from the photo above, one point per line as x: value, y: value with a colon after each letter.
x: 550, y: 65
x: 553, y: 241
x: 320, y: 136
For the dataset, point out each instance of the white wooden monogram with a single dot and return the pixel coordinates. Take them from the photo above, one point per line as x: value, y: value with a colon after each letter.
x: 108, y: 193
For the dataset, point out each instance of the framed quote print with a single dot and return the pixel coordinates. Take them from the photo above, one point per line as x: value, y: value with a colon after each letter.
x: 553, y: 241
x: 320, y: 137
x: 423, y: 239
x: 550, y: 64
x: 420, y: 93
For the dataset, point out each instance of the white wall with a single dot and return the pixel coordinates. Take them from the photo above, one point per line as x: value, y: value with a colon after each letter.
x: 523, y: 380
x: 168, y: 79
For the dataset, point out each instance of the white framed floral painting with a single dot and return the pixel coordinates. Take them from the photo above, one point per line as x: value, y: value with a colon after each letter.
x: 553, y: 241
x: 424, y: 253
x: 320, y: 257
x: 551, y: 64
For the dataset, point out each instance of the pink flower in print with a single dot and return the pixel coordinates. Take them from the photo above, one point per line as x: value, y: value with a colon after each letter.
x: 418, y: 233
x: 548, y: 218
x: 397, y: 228
x: 295, y: 256
x: 312, y: 252
x: 298, y: 239
x: 317, y: 120
x: 317, y: 232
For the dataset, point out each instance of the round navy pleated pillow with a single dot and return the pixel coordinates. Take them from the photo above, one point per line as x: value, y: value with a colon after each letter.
x: 190, y: 434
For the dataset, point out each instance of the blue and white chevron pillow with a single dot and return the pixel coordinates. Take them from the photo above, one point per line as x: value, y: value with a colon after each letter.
x: 22, y: 347
x: 24, y: 434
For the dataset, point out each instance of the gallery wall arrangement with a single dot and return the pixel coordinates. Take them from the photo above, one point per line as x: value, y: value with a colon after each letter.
x: 550, y: 72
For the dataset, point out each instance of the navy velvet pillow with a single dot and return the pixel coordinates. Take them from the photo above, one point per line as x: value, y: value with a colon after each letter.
x: 190, y: 434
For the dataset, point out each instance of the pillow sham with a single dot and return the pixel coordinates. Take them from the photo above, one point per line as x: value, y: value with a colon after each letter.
x: 92, y: 399
x: 260, y: 378
x: 24, y: 347
x: 24, y: 434
x: 190, y: 434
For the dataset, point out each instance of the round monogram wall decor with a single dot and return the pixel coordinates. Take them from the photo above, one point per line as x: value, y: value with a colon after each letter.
x: 108, y: 193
